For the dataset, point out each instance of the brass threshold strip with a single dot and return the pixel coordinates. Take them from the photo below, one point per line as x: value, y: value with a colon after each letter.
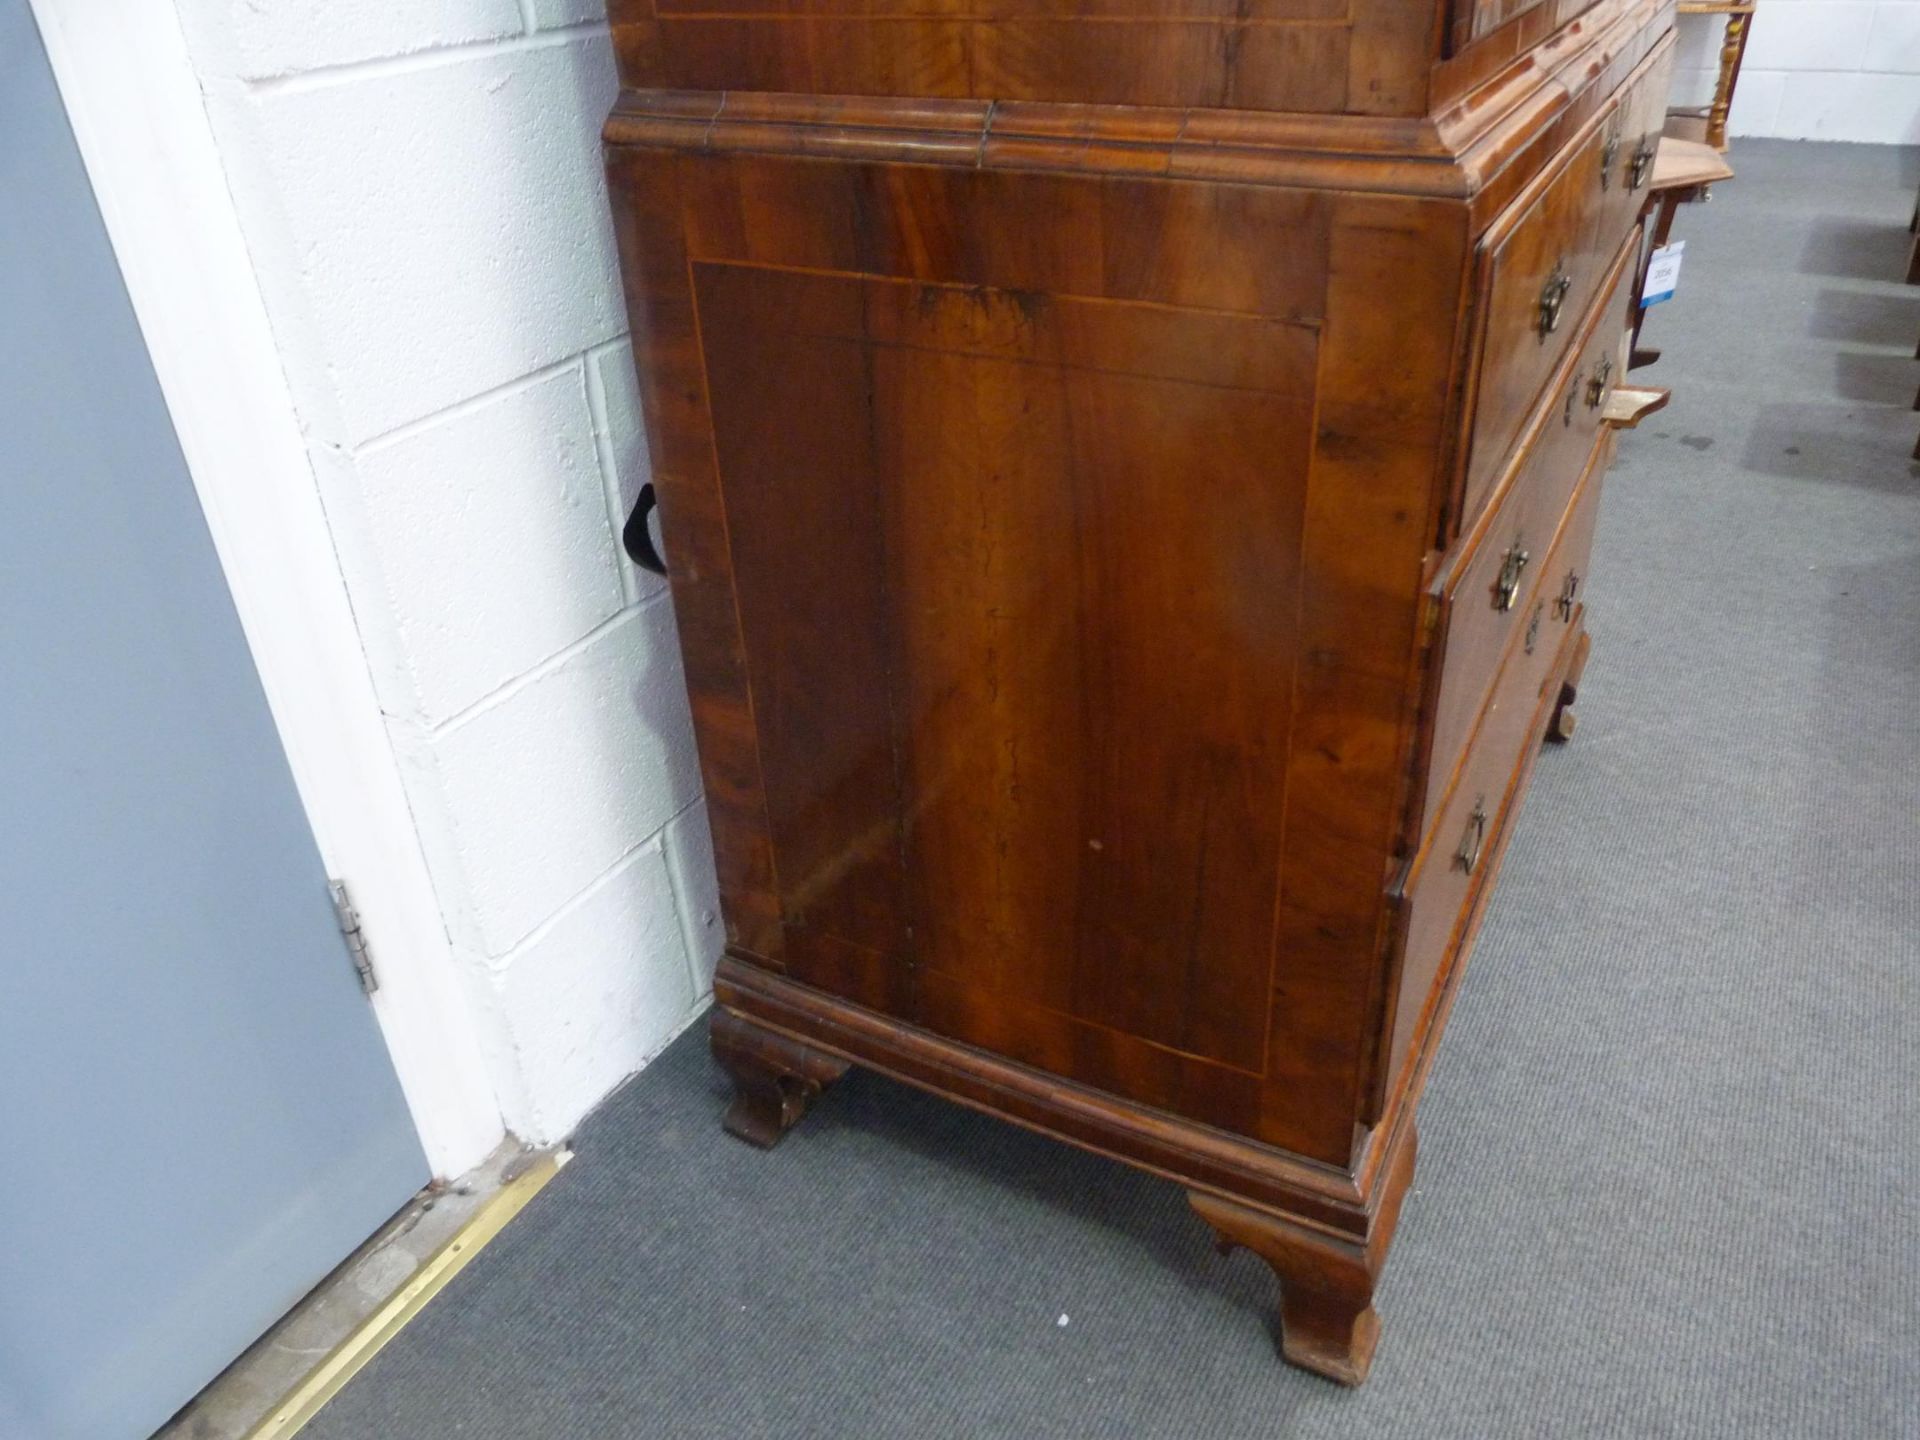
x: 347, y: 1358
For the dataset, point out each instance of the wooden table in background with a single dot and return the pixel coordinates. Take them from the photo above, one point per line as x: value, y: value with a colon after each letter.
x: 1682, y: 172
x: 1712, y: 117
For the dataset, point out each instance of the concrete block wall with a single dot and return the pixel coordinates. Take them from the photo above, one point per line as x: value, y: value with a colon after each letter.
x: 418, y: 183
x: 1814, y: 70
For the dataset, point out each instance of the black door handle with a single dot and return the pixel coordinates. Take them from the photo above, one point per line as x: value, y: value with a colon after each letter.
x: 637, y: 538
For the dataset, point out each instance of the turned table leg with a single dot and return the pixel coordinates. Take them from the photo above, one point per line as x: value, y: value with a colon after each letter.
x: 775, y: 1078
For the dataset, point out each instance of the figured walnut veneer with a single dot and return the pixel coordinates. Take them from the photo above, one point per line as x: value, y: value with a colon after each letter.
x: 1092, y: 443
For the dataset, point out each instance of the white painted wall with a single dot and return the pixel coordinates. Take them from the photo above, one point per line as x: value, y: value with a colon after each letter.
x: 417, y: 184
x: 1814, y: 70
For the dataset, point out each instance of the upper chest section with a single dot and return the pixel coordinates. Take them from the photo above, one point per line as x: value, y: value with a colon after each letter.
x: 1361, y: 57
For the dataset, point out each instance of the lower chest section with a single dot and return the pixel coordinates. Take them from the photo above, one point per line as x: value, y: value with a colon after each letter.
x: 1049, y: 559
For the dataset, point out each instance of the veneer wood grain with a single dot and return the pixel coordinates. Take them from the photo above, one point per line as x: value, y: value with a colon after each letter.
x: 1077, y: 429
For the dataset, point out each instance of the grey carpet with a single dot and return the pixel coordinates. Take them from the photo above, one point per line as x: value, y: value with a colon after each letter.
x: 1668, y: 1162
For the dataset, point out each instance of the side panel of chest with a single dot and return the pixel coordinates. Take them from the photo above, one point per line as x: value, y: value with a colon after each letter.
x: 1022, y: 702
x: 1046, y: 557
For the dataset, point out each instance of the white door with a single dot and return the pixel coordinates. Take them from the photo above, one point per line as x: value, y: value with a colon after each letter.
x: 199, y: 1116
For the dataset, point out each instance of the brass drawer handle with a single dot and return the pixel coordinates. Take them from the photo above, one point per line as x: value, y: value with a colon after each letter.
x: 1569, y: 593
x: 1642, y: 166
x: 1506, y: 589
x: 1609, y: 157
x: 1471, y: 844
x: 1553, y: 299
x: 1597, y: 386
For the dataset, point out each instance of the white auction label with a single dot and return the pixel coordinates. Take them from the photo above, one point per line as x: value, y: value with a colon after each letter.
x: 1663, y: 274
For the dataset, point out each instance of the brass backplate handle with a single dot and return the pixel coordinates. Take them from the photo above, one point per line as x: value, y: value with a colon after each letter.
x: 1553, y: 298
x: 1569, y: 592
x: 1506, y: 589
x: 1474, y: 841
x: 1597, y: 386
x: 1642, y: 164
x: 1609, y: 157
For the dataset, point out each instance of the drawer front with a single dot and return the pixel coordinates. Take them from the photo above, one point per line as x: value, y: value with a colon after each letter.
x: 1490, y: 592
x: 1544, y: 263
x: 1453, y: 865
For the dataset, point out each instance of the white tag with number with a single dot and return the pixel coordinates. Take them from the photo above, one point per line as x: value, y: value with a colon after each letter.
x: 1663, y: 274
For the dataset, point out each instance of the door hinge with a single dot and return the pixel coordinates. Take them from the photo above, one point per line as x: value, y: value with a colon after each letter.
x: 356, y: 937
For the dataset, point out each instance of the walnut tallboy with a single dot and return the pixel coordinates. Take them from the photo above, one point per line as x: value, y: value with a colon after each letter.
x: 1128, y: 468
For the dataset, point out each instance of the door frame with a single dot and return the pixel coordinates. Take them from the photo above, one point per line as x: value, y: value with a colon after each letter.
x: 135, y: 104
